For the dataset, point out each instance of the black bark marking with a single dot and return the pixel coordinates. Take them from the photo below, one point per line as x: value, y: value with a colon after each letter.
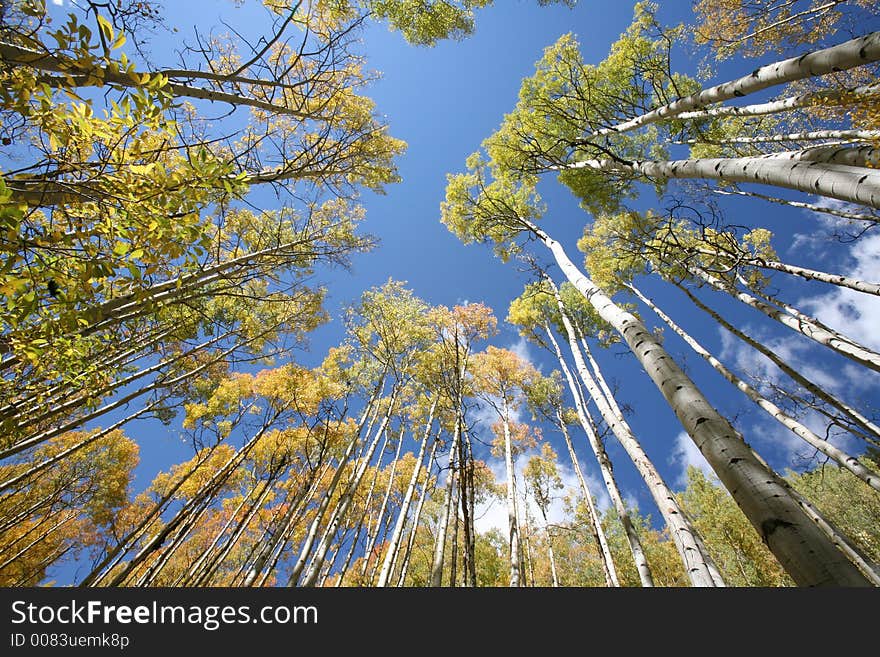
x: 700, y: 421
x: 771, y: 525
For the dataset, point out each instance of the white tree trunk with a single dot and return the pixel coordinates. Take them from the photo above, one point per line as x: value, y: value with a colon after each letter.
x: 605, y: 468
x: 843, y: 459
x: 342, y: 507
x: 797, y: 321
x: 857, y: 418
x: 598, y: 532
x: 813, y: 135
x: 513, y: 525
x: 804, y: 551
x: 855, y: 216
x: 440, y: 541
x: 838, y: 181
x: 417, y: 516
x: 810, y: 99
x: 680, y: 529
x: 841, y: 57
x: 802, y: 272
x: 394, y: 542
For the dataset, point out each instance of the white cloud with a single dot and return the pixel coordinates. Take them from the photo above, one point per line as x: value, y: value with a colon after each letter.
x: 796, y: 351
x: 493, y: 515
x: 854, y: 313
x: 816, y: 240
x: 685, y: 453
x: 522, y: 348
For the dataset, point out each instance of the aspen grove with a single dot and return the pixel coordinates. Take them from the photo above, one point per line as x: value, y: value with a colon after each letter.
x: 664, y: 370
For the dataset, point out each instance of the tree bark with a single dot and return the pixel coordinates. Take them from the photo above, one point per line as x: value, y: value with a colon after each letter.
x: 804, y: 551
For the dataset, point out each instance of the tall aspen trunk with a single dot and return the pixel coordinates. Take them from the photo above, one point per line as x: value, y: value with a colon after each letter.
x: 800, y: 204
x: 825, y: 97
x: 440, y: 541
x: 803, y: 549
x: 605, y: 468
x: 314, y: 526
x: 99, y: 572
x: 391, y: 552
x: 553, y: 574
x: 417, y: 516
x: 806, y: 326
x: 281, y: 537
x: 854, y: 416
x: 838, y: 181
x: 803, y: 272
x: 513, y: 525
x: 812, y: 135
x: 696, y: 562
x: 843, y: 459
x: 840, y: 57
x: 380, y: 517
x: 347, y: 497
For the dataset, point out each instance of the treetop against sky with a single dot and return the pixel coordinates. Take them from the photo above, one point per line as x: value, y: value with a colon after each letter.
x: 439, y: 292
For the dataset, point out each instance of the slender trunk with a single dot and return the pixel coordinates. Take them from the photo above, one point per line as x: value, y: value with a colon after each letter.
x: 840, y: 57
x: 803, y: 272
x: 469, y: 507
x: 843, y: 459
x: 440, y: 541
x: 680, y: 528
x: 315, y: 525
x: 342, y: 507
x: 838, y: 181
x: 553, y: 574
x: 40, y: 467
x: 513, y: 525
x: 380, y: 518
x: 453, y: 550
x: 813, y: 135
x: 197, y: 565
x: 827, y: 97
x: 526, y: 543
x: 217, y: 559
x: 211, y: 487
x: 797, y: 321
x: 391, y: 552
x: 280, y: 538
x: 632, y: 538
x: 605, y: 468
x: 799, y: 204
x: 37, y: 540
x: 43, y: 436
x: 417, y: 516
x: 804, y: 551
x: 100, y: 571
x: 856, y: 418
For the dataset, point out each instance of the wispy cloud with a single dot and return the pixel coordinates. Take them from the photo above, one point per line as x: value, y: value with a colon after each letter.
x: 493, y: 515
x: 685, y: 454
x: 523, y: 349
x: 855, y: 313
x: 816, y: 241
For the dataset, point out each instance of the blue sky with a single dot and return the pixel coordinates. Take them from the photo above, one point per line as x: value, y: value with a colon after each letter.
x: 443, y: 101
